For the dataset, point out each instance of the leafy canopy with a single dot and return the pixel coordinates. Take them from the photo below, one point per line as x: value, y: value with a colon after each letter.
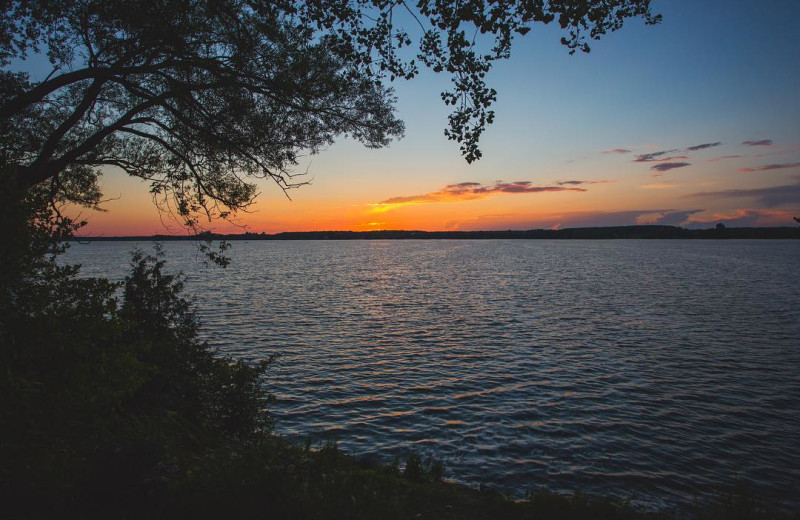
x: 198, y: 95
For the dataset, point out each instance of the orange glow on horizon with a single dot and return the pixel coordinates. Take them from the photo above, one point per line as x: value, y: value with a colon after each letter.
x: 610, y: 190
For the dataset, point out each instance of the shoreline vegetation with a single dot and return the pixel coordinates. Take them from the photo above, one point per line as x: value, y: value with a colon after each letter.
x: 590, y: 233
x: 275, y: 478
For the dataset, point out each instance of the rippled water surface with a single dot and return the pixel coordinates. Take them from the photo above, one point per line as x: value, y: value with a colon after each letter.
x: 657, y: 369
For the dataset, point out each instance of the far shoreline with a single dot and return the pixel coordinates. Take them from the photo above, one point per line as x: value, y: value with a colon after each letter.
x: 586, y: 233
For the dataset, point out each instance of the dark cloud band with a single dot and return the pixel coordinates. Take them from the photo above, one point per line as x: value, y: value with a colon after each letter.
x: 578, y: 183
x: 765, y: 197
x: 474, y: 190
x: 703, y: 146
x: 768, y: 167
x: 665, y: 167
x: 653, y: 157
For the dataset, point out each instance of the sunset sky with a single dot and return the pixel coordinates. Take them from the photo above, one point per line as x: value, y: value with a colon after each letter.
x: 692, y: 122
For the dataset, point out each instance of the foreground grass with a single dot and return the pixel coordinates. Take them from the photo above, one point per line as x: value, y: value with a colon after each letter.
x: 275, y: 479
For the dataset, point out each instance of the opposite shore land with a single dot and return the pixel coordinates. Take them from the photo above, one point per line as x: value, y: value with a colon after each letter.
x: 590, y: 233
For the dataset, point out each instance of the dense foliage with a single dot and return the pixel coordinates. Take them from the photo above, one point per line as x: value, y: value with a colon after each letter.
x: 100, y: 396
x: 198, y: 95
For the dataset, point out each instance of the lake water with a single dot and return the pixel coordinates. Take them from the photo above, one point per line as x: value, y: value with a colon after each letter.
x: 652, y: 370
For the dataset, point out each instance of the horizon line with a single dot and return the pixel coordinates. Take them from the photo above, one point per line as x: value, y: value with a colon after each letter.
x: 247, y: 234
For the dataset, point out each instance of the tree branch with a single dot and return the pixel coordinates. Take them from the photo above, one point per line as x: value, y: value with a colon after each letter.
x: 89, y: 97
x: 34, y: 174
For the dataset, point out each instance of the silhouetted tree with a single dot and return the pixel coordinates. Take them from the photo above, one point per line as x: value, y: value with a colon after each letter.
x: 196, y: 96
x: 99, y: 397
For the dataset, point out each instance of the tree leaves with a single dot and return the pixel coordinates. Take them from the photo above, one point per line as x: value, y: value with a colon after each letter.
x: 208, y: 94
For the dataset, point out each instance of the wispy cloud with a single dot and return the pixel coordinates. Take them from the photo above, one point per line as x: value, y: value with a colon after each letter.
x: 752, y: 155
x: 578, y: 183
x: 761, y: 142
x: 620, y: 151
x: 656, y: 156
x: 745, y: 218
x: 664, y: 155
x: 703, y: 146
x: 466, y: 191
x: 724, y: 157
x: 666, y: 217
x: 659, y: 186
x: 768, y: 167
x: 692, y: 218
x: 553, y: 221
x: 766, y: 197
x: 665, y: 167
x: 670, y: 218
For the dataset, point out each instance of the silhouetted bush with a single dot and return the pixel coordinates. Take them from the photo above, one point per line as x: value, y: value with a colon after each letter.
x: 105, y: 400
x: 417, y: 470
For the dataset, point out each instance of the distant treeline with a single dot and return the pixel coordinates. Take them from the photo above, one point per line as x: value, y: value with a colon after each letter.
x: 615, y: 232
